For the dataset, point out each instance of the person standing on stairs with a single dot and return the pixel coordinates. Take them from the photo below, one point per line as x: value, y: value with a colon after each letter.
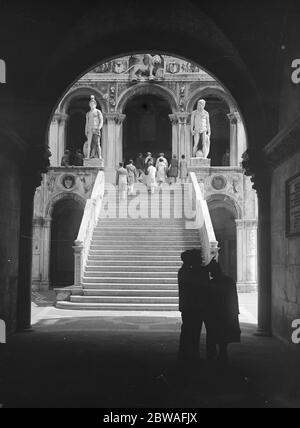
x: 151, y: 177
x: 183, y: 169
x: 140, y: 166
x: 132, y: 174
x: 122, y: 180
x: 173, y: 170
x: 161, y: 172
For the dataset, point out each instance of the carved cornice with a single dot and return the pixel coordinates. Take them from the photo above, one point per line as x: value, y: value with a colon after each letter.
x: 284, y: 145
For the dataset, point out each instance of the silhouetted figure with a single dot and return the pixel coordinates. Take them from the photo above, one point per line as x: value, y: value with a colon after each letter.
x: 78, y: 158
x: 223, y: 321
x: 66, y: 159
x: 193, y: 282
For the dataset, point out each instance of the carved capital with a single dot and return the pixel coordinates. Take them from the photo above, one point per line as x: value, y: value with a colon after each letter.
x: 118, y: 118
x: 234, y: 117
x: 183, y: 118
x: 173, y: 119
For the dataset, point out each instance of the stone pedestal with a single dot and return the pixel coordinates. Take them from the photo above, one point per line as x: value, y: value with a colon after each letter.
x: 94, y: 162
x: 197, y: 163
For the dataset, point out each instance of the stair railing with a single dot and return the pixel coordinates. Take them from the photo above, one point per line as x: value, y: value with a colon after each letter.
x: 203, y: 222
x: 89, y: 221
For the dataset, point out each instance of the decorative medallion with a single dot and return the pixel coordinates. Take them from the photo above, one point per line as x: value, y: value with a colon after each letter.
x: 68, y: 181
x: 219, y: 182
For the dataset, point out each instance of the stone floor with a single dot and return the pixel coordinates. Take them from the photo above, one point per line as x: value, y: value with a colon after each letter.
x: 74, y: 359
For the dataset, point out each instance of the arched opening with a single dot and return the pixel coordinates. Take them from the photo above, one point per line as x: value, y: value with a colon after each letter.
x: 225, y: 229
x: 218, y: 110
x: 147, y: 126
x: 66, y: 219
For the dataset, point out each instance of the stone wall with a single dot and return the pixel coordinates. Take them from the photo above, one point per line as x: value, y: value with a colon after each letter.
x: 285, y: 253
x: 9, y: 243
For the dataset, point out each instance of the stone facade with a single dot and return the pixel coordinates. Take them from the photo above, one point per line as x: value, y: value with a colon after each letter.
x: 59, y: 183
x: 181, y: 84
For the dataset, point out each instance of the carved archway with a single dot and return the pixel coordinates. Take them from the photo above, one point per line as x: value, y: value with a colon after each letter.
x: 147, y: 89
x: 211, y: 91
x: 224, y: 201
x: 82, y: 91
x: 63, y: 196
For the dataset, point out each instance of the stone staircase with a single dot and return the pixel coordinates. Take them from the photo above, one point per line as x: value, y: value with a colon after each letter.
x: 133, y: 263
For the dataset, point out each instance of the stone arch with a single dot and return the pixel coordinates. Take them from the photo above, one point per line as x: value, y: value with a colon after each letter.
x: 209, y: 90
x: 219, y: 200
x: 63, y: 196
x: 79, y: 92
x: 144, y: 89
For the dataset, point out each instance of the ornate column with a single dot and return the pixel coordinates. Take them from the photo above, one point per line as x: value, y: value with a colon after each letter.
x: 119, y: 119
x: 61, y: 142
x: 246, y: 255
x: 175, y: 137
x: 53, y: 140
x: 183, y: 135
x: 114, y: 144
x: 256, y: 165
x: 45, y: 252
x: 234, y: 118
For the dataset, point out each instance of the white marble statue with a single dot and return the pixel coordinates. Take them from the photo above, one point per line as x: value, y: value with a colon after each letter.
x: 93, y: 126
x: 200, y: 128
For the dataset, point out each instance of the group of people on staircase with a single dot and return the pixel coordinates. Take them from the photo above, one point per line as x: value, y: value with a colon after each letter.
x: 206, y: 296
x: 150, y: 171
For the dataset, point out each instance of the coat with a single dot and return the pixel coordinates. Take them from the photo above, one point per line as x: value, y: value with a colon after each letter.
x: 224, y: 311
x: 193, y: 287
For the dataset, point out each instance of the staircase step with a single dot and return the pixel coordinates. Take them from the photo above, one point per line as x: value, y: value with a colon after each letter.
x: 122, y: 274
x: 145, y: 258
x: 118, y: 307
x: 132, y: 292
x: 131, y: 269
x: 124, y: 299
x: 140, y: 264
x: 118, y: 286
x: 126, y: 280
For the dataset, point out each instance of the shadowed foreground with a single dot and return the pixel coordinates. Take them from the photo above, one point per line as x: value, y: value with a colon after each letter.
x: 125, y: 361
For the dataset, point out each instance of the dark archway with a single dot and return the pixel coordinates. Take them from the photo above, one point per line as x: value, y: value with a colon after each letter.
x: 225, y: 229
x: 147, y: 127
x: 66, y: 219
x: 220, y: 127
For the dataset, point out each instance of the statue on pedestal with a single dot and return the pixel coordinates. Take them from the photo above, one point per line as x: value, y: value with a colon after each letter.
x: 200, y: 128
x: 93, y: 126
